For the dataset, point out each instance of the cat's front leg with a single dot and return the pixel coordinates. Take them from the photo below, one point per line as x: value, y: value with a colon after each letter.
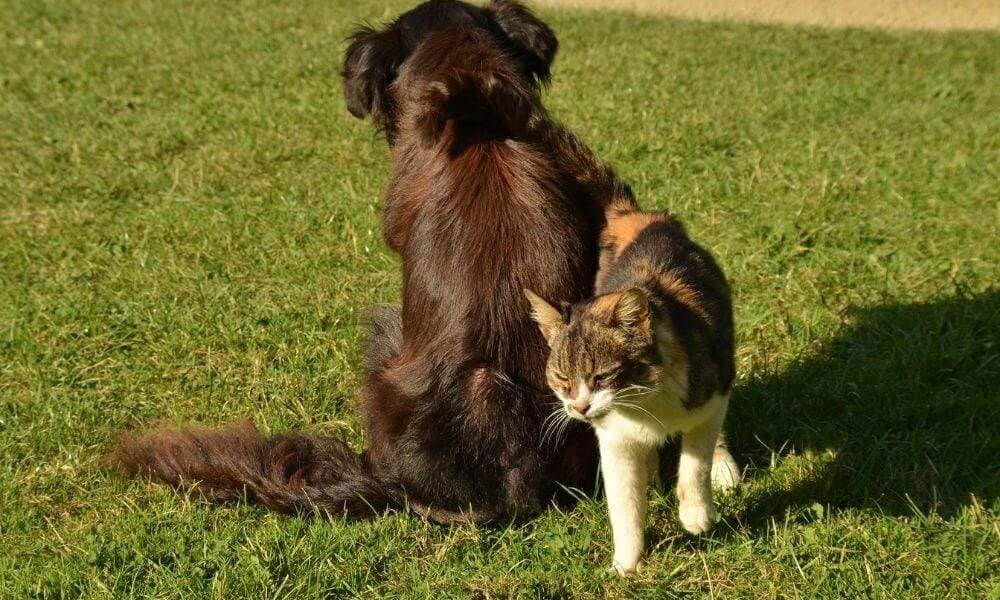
x: 694, y: 474
x: 625, y: 470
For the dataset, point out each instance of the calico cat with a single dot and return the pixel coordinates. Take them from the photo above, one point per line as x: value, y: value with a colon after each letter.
x: 650, y: 356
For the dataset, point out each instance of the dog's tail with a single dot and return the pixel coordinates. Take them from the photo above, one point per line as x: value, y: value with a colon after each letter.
x: 289, y: 473
x: 480, y: 93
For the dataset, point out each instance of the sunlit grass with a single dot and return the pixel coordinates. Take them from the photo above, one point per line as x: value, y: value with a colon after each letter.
x: 189, y: 230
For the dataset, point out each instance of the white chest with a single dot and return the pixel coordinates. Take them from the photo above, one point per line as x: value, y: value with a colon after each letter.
x: 651, y: 419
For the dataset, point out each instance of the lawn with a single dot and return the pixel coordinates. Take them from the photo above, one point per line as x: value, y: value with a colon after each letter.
x: 189, y: 231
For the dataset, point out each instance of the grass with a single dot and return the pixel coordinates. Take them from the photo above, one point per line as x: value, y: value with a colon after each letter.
x: 189, y: 230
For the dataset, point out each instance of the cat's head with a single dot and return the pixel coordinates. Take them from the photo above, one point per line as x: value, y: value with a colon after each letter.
x: 603, y: 351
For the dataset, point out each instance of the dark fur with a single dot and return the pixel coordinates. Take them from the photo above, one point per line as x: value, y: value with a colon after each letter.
x: 488, y: 196
x: 285, y: 473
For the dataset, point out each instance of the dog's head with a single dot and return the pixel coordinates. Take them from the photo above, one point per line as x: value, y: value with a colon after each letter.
x: 375, y: 56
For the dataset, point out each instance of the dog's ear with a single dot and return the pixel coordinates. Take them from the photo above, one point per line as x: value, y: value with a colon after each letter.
x: 370, y: 64
x: 534, y: 39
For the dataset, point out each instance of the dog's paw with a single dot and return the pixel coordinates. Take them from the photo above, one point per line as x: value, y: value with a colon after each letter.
x: 696, y: 518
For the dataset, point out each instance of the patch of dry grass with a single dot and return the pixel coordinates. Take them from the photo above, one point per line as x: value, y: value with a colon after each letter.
x: 889, y: 14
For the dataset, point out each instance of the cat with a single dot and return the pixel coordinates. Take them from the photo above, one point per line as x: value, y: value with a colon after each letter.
x: 651, y: 355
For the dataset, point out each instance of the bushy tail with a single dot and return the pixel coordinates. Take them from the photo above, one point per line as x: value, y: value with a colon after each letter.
x: 290, y: 474
x: 296, y: 473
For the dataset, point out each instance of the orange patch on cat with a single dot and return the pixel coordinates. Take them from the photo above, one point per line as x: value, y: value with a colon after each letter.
x: 624, y: 227
x: 604, y: 306
x: 685, y: 294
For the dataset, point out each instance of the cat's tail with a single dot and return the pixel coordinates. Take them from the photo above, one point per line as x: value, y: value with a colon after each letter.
x: 288, y: 473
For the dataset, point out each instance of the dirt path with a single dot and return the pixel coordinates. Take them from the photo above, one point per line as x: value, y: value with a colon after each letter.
x: 890, y: 14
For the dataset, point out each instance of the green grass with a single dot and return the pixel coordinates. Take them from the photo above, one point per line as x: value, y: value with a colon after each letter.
x: 189, y: 230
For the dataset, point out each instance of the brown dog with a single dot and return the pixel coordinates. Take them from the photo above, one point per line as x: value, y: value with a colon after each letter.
x: 488, y: 196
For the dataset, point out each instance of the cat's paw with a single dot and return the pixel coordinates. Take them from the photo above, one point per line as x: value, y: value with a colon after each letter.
x: 725, y: 472
x: 624, y: 569
x: 696, y: 518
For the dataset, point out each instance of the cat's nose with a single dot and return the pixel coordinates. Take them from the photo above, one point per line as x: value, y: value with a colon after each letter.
x: 581, y: 405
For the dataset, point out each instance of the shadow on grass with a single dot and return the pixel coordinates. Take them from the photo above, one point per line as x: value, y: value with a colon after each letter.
x: 905, y: 405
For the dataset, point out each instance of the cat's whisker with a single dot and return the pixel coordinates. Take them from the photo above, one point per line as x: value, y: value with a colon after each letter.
x: 551, y: 432
x: 564, y: 430
x: 628, y: 391
x: 642, y: 409
x: 552, y: 425
x: 548, y: 426
x: 622, y: 396
x: 553, y: 428
x: 545, y: 427
x: 636, y: 388
x: 560, y: 427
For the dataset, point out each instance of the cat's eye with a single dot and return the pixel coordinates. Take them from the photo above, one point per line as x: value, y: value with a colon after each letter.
x: 559, y: 377
x: 607, y: 375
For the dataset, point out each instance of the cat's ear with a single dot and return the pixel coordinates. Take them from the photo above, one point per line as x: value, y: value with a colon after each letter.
x: 632, y: 309
x: 550, y: 320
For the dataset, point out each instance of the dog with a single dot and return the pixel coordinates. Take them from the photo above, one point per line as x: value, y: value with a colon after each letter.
x: 488, y: 196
